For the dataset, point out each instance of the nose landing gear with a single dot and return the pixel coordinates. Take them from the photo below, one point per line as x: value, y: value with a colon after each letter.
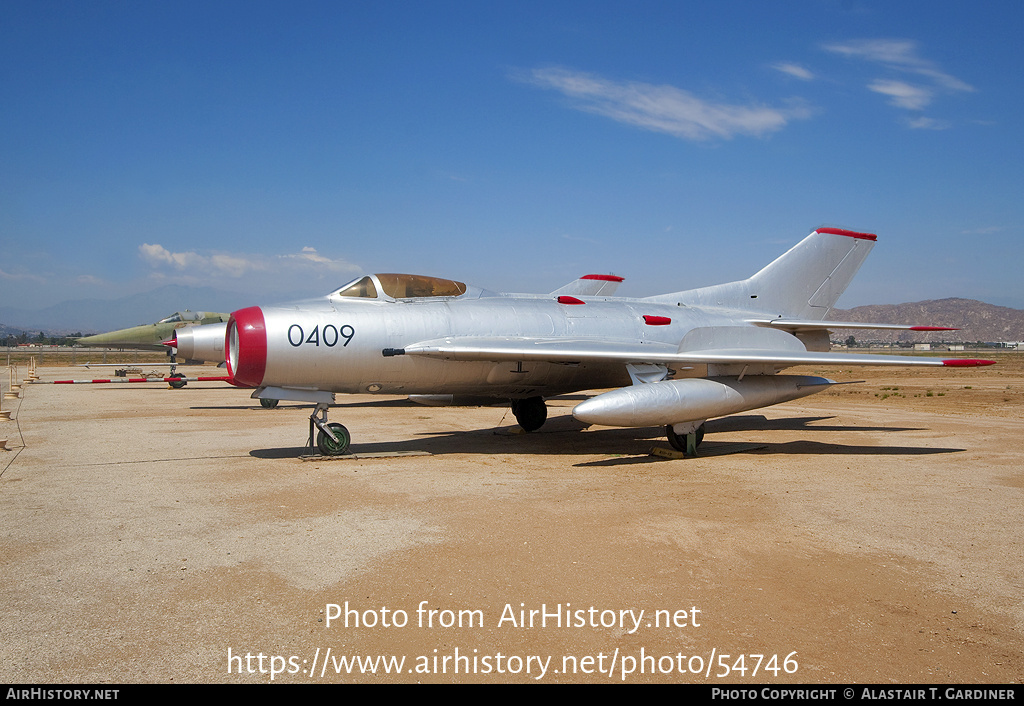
x: 332, y: 439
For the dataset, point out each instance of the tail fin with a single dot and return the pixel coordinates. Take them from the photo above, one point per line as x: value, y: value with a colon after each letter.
x: 803, y: 283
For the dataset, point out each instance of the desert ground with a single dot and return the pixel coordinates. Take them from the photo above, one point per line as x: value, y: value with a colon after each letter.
x: 871, y: 533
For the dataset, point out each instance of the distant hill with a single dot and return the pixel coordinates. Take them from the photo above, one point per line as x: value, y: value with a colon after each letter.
x: 98, y: 315
x: 6, y: 331
x: 976, y: 320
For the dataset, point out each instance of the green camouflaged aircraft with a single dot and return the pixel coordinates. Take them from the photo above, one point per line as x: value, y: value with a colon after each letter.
x: 152, y: 336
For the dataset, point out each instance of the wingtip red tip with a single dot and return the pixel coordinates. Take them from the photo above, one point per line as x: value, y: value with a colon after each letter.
x: 967, y: 362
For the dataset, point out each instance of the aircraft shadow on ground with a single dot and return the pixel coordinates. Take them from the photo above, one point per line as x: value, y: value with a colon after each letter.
x: 749, y: 422
x: 566, y: 436
x: 254, y: 404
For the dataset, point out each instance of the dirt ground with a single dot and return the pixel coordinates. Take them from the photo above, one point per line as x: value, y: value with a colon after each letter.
x: 871, y: 533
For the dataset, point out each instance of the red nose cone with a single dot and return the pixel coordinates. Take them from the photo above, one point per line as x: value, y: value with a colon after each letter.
x: 246, y: 347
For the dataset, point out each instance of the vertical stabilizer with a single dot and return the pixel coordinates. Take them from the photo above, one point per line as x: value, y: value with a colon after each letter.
x: 803, y: 283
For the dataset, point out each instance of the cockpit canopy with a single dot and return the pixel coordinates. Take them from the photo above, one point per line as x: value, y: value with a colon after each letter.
x: 397, y: 286
x: 185, y: 316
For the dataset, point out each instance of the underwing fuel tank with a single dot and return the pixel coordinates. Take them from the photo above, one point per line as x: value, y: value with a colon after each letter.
x: 677, y: 401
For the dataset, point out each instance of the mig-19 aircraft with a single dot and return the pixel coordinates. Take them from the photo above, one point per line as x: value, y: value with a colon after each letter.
x: 675, y: 360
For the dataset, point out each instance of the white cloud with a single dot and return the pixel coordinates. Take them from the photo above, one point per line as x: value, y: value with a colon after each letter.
x: 159, y: 255
x: 794, y: 70
x: 664, y: 108
x: 902, y: 56
x: 899, y: 54
x: 903, y: 95
x: 923, y: 123
x: 311, y: 255
x: 886, y: 51
x: 235, y: 265
x: 91, y: 280
x: 239, y: 265
x: 22, y: 277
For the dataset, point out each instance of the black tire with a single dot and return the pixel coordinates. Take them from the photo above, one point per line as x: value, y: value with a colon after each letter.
x: 531, y: 413
x: 330, y: 447
x: 268, y: 403
x: 678, y: 441
x: 176, y: 382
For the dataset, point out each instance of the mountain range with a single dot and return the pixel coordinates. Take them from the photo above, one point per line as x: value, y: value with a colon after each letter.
x: 99, y: 315
x: 976, y: 320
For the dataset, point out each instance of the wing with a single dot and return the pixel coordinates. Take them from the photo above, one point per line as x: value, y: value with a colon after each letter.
x: 591, y: 285
x: 721, y: 345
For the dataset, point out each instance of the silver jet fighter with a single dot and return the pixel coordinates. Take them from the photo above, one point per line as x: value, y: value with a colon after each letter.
x: 206, y: 342
x: 675, y: 360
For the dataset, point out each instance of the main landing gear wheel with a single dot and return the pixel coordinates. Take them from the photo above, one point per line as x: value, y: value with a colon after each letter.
x: 678, y: 441
x: 176, y: 382
x: 531, y: 413
x: 268, y: 403
x: 333, y: 447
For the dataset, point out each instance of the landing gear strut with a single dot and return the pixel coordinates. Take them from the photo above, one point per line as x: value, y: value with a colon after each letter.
x: 331, y: 439
x: 687, y: 443
x: 173, y: 378
x: 531, y: 413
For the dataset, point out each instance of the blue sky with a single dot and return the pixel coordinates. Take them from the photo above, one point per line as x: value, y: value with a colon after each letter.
x: 279, y: 149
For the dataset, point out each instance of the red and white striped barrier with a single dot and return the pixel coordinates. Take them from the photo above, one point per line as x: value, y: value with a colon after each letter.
x: 168, y: 380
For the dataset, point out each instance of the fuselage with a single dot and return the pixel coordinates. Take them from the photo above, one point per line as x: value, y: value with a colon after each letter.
x: 335, y: 344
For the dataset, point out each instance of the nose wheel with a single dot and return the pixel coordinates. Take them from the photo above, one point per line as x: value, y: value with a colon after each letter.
x: 173, y: 377
x: 332, y: 439
x: 333, y: 442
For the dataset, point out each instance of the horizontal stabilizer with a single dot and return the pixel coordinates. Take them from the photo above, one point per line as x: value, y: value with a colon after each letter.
x: 811, y: 325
